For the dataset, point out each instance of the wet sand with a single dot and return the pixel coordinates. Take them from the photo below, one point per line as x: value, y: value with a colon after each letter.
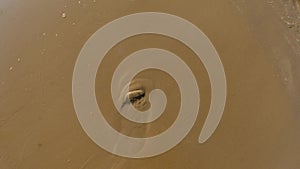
x: 40, y: 42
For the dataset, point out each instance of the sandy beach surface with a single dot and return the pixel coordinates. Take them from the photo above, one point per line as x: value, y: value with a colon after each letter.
x: 258, y: 44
